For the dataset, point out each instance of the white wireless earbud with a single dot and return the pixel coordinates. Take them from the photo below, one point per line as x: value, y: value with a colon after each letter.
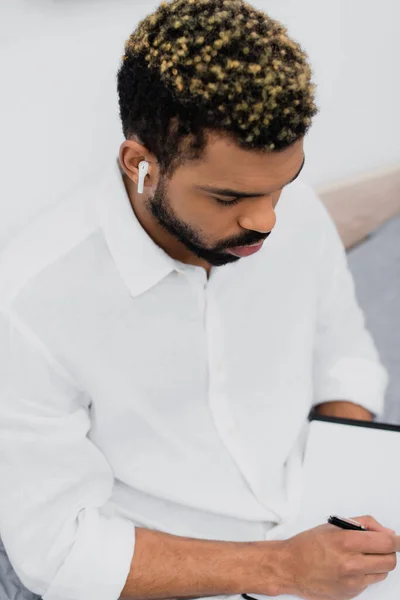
x: 143, y: 168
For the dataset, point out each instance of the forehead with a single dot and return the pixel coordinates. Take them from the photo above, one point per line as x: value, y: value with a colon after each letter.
x: 224, y: 161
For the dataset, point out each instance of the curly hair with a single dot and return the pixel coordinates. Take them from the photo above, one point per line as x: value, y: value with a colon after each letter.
x: 218, y: 65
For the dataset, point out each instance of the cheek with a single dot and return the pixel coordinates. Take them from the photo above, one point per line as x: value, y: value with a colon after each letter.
x: 275, y: 198
x: 217, y: 222
x: 213, y: 220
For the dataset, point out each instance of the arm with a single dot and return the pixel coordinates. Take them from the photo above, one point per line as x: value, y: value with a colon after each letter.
x: 346, y: 410
x: 55, y: 483
x: 169, y: 566
x: 54, y: 480
x: 347, y: 365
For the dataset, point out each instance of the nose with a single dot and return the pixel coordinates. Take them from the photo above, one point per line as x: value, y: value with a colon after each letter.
x: 259, y: 216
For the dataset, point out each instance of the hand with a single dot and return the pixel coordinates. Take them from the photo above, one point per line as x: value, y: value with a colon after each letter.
x: 344, y: 410
x: 329, y: 563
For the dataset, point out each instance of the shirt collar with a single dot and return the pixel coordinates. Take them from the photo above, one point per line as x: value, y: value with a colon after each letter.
x: 140, y: 261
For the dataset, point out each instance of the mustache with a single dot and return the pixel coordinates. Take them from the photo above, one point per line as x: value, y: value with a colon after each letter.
x: 247, y: 239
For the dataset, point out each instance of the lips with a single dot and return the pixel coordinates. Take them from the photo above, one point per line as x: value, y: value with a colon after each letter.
x: 242, y: 251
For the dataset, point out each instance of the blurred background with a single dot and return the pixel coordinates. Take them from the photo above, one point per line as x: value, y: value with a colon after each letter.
x: 60, y: 125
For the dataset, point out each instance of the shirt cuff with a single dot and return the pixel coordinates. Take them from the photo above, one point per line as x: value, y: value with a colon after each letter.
x: 99, y: 563
x: 357, y: 380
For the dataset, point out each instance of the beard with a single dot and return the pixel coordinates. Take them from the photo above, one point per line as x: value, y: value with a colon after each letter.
x: 160, y: 208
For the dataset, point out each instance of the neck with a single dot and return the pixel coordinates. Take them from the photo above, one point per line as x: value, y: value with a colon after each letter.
x: 173, y: 247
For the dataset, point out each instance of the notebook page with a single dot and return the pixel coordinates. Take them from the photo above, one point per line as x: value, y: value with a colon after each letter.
x: 351, y: 471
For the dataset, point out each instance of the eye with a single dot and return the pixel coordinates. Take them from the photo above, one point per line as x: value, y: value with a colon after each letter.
x: 227, y: 202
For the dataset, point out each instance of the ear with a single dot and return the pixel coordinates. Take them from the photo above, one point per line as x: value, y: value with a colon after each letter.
x: 131, y: 154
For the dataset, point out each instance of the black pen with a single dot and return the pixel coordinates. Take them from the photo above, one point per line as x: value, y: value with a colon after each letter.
x: 346, y: 523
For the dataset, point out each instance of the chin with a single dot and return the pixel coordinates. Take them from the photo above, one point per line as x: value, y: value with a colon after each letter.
x: 224, y: 260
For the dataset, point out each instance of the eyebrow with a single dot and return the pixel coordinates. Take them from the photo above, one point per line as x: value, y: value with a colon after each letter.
x: 236, y: 193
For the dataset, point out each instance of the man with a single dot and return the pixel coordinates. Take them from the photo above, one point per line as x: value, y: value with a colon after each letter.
x: 161, y: 351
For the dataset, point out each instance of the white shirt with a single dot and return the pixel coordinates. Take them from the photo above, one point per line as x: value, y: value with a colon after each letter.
x: 134, y: 391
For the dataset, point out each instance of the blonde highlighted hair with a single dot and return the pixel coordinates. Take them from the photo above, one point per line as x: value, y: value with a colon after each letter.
x: 222, y: 65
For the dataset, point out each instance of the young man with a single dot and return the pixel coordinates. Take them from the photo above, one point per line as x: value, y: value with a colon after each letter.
x: 160, y: 351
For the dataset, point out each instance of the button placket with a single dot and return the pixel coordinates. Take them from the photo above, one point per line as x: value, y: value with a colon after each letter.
x: 217, y: 392
x: 219, y: 403
x: 198, y: 282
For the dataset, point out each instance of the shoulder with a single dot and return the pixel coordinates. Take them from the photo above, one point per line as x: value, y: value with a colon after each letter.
x: 303, y: 228
x: 46, y: 240
x: 301, y: 201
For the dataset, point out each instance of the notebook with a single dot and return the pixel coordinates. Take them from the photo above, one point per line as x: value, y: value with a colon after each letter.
x: 351, y: 468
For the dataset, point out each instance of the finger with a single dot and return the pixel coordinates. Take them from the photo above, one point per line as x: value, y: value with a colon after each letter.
x: 375, y: 578
x: 378, y: 563
x: 360, y: 583
x: 371, y: 542
x: 370, y: 523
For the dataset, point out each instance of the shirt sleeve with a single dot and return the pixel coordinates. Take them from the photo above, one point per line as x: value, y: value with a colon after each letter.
x: 54, y: 480
x: 347, y: 365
